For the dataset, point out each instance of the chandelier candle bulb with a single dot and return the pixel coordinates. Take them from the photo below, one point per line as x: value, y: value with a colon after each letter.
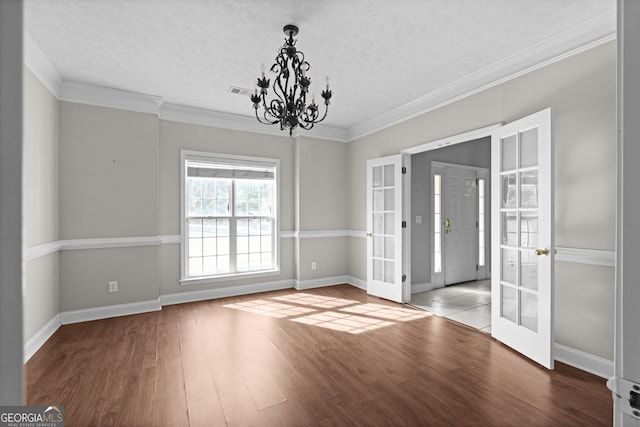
x: 289, y: 106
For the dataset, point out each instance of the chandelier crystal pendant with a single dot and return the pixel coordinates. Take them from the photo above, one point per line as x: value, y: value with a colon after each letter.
x: 291, y: 87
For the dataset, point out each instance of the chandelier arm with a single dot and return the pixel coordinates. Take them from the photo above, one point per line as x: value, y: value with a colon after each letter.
x: 266, y: 122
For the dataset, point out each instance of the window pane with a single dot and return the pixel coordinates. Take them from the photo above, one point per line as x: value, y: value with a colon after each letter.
x: 254, y: 197
x: 195, y: 228
x: 195, y: 247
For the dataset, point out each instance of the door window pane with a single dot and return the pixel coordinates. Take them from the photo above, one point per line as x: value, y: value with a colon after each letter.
x: 529, y: 189
x: 378, y: 223
x: 509, y: 265
x: 389, y: 199
x: 529, y: 148
x: 509, y: 192
x: 377, y: 269
x: 508, y: 303
x: 528, y: 230
x: 510, y: 228
x: 377, y: 176
x: 529, y: 269
x: 509, y: 152
x: 389, y: 272
x: 378, y: 250
x: 378, y: 200
x: 389, y: 247
x: 389, y: 175
x: 529, y: 310
x: 389, y: 221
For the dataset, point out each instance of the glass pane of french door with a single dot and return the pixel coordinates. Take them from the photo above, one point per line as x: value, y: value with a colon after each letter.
x: 519, y: 213
x: 383, y: 211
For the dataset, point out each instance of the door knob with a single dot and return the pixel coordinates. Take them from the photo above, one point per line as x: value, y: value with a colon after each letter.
x: 369, y: 234
x: 544, y: 252
x: 447, y: 223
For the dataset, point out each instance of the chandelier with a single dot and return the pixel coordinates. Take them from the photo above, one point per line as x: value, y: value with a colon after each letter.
x: 291, y: 87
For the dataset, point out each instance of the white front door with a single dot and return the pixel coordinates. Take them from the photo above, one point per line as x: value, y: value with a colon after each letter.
x: 522, y: 237
x: 385, y: 232
x: 460, y: 197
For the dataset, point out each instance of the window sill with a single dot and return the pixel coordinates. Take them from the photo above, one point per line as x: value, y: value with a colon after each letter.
x: 227, y: 277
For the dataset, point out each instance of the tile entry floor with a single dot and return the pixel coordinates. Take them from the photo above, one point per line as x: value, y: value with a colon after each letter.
x: 468, y: 303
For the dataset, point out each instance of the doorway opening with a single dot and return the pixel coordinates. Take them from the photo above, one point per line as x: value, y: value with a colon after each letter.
x: 451, y: 231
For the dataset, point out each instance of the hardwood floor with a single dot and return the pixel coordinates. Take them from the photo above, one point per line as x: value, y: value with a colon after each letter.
x: 323, y: 357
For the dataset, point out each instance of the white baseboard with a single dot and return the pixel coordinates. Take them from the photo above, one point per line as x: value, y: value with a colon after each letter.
x: 587, y: 362
x: 36, y: 341
x: 358, y: 283
x: 416, y: 288
x: 98, y: 313
x: 320, y: 283
x: 183, y: 297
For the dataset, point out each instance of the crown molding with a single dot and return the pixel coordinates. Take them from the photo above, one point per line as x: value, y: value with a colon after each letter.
x: 204, y: 117
x: 572, y: 41
x: 40, y: 65
x: 83, y: 93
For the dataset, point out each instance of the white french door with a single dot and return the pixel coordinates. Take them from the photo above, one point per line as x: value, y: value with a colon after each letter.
x: 522, y: 236
x: 386, y: 235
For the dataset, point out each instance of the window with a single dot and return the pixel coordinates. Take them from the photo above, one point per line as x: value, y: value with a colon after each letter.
x: 229, y: 213
x: 481, y: 220
x: 437, y: 223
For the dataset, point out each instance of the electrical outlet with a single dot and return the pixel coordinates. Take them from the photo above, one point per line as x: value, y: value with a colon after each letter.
x: 314, y: 265
x: 113, y: 286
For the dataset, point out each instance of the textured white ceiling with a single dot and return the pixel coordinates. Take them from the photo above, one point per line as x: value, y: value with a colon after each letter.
x: 380, y: 54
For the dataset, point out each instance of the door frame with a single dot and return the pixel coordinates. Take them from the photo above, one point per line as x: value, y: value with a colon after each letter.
x: 438, y: 279
x: 471, y: 135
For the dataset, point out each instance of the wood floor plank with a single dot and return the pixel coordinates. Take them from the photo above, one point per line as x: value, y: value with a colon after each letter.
x: 288, y: 358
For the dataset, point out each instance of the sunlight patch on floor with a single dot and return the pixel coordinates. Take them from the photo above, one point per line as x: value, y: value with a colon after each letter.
x: 351, y: 316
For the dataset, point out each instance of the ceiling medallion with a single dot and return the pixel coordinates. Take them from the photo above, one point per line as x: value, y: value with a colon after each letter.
x: 291, y: 87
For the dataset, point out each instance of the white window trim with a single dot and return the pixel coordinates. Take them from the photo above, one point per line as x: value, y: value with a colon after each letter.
x: 230, y: 159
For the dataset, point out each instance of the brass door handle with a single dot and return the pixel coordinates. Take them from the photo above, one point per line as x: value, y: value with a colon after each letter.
x: 447, y: 223
x: 369, y: 234
x: 544, y: 252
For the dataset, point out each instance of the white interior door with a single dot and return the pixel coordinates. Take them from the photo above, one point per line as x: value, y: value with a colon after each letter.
x: 522, y: 237
x: 385, y: 269
x: 460, y: 224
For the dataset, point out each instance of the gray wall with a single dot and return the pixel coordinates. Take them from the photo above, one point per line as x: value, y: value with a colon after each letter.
x: 581, y: 93
x: 473, y: 153
x: 108, y: 188
x: 41, y: 292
